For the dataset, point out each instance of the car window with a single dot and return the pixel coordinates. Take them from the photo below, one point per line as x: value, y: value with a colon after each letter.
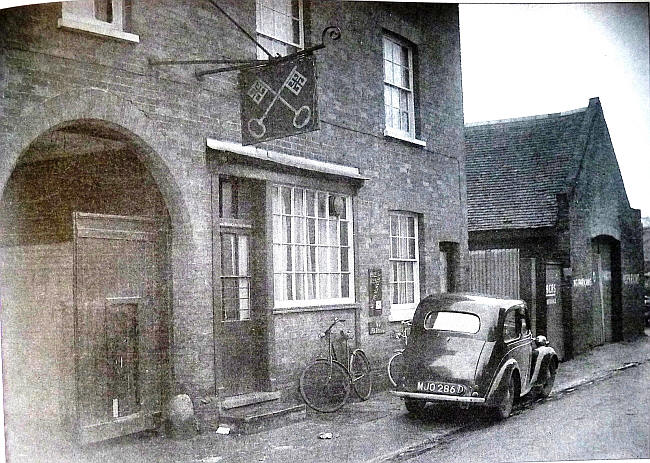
x: 510, y: 331
x: 524, y: 326
x: 458, y: 322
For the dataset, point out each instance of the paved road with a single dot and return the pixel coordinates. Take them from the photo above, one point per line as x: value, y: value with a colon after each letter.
x: 603, y: 420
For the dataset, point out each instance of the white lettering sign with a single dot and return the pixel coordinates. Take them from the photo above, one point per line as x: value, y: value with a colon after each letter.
x: 631, y: 279
x: 582, y: 282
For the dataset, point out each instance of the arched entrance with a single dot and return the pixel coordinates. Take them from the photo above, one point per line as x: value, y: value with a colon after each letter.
x: 84, y: 254
x: 606, y: 296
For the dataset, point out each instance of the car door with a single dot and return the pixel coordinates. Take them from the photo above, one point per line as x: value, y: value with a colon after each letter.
x: 517, y: 345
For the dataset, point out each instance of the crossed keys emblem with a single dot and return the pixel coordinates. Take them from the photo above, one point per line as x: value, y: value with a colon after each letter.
x: 294, y: 83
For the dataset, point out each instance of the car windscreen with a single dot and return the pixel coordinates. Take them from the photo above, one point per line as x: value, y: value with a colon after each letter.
x: 458, y: 322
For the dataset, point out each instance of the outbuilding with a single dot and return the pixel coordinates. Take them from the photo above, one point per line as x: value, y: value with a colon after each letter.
x: 547, y: 191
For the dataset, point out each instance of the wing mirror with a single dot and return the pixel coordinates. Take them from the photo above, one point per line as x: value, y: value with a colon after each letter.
x: 541, y: 341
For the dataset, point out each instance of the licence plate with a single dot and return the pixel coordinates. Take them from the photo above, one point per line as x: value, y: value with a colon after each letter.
x: 435, y: 387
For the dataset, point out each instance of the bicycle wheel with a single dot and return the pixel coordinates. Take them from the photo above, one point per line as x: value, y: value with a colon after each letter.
x: 325, y: 385
x: 361, y: 374
x: 396, y: 368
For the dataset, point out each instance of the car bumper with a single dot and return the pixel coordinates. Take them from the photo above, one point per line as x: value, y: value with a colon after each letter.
x: 438, y: 397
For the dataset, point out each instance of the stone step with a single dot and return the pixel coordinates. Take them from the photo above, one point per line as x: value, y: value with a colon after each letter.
x: 248, y: 399
x: 252, y: 419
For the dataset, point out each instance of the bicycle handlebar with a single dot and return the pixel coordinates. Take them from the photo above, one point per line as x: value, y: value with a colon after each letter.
x: 336, y: 320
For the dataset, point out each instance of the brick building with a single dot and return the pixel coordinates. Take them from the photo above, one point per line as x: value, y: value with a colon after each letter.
x: 549, y: 189
x: 147, y: 253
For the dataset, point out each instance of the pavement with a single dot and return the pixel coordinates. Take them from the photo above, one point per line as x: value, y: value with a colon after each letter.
x: 376, y: 430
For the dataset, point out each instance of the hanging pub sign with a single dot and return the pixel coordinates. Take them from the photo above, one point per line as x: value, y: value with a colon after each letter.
x: 278, y: 100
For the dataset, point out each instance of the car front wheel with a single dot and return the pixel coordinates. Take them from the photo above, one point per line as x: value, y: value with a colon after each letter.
x: 503, y: 409
x: 414, y: 407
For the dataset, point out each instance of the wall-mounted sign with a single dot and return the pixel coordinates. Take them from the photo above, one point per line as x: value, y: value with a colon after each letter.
x: 631, y: 279
x: 377, y: 326
x: 278, y: 100
x: 374, y: 292
x: 582, y: 282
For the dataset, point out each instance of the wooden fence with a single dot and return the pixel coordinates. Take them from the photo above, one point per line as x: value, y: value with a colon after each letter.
x: 495, y: 272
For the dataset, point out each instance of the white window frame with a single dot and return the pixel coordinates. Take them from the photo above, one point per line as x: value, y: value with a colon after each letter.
x: 261, y: 7
x: 389, y: 84
x: 277, y: 241
x: 405, y: 311
x: 80, y: 15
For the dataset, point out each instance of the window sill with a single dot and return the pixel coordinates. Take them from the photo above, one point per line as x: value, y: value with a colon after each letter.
x: 398, y: 314
x: 404, y: 137
x: 98, y: 28
x: 316, y: 308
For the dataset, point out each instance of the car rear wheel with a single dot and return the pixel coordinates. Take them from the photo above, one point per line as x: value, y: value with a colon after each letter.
x: 414, y: 407
x: 503, y: 409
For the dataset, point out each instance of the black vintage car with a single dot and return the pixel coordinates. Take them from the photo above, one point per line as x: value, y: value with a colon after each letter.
x: 474, y: 350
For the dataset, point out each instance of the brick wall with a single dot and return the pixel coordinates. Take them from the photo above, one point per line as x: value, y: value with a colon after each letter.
x: 599, y: 206
x: 51, y: 76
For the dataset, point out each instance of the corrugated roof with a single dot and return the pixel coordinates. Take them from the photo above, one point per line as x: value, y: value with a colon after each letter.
x: 516, y: 167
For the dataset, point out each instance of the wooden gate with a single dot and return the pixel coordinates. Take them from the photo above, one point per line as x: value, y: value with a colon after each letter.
x: 121, y: 338
x: 495, y: 272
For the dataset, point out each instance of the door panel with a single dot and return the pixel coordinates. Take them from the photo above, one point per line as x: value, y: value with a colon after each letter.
x: 602, y: 293
x: 121, y: 311
x: 554, y: 318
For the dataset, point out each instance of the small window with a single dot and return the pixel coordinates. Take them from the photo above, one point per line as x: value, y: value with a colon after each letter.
x: 280, y: 26
x: 100, y: 17
x: 405, y: 264
x: 399, y: 94
x: 457, y: 322
x: 510, y: 331
x: 235, y: 277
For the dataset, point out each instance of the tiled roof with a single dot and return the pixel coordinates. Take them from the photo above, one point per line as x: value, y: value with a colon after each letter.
x: 516, y: 167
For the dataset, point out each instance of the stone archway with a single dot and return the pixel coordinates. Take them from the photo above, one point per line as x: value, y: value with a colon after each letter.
x: 99, y: 114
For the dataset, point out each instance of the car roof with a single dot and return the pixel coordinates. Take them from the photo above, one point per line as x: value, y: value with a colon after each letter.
x: 481, y: 305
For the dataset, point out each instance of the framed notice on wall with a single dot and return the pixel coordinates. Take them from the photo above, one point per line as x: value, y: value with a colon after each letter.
x: 374, y: 292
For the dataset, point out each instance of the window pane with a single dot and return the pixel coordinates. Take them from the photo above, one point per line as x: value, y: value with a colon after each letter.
x: 311, y: 286
x: 388, y: 52
x: 286, y: 200
x: 279, y: 258
x: 322, y: 285
x: 344, y: 234
x: 289, y: 260
x: 289, y: 280
x: 333, y: 232
x: 322, y: 232
x: 243, y: 255
x: 301, y: 255
x: 228, y: 254
x: 298, y: 230
x: 297, y: 201
x: 388, y: 72
x: 345, y: 285
x: 411, y: 246
x: 280, y: 290
x: 334, y: 259
x: 311, y: 231
x: 286, y: 230
x: 311, y: 259
x: 322, y: 205
x: 405, y: 78
x: 408, y: 271
x: 300, y: 286
x: 395, y: 291
x: 389, y: 116
x: 335, y: 285
x: 310, y: 203
x: 345, y: 265
x: 323, y: 261
x: 410, y: 293
x: 344, y: 211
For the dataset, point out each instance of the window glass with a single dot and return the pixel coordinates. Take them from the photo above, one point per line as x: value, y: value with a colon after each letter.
x: 235, y: 277
x: 452, y: 321
x: 280, y: 26
x: 510, y: 331
x: 312, y: 252
x: 398, y: 86
x: 404, y: 262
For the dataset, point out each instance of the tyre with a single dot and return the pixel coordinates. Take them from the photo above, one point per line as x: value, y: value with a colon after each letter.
x: 396, y: 369
x: 547, y: 387
x: 414, y: 407
x: 361, y: 374
x: 325, y: 385
x: 503, y: 409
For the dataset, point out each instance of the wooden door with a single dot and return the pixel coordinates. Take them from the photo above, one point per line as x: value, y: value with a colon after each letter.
x: 120, y: 323
x: 242, y: 329
x: 602, y: 293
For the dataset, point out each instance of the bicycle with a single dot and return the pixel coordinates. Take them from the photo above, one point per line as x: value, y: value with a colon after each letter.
x: 396, y: 367
x: 325, y: 383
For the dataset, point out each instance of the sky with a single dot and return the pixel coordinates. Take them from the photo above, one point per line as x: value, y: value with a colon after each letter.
x: 522, y: 60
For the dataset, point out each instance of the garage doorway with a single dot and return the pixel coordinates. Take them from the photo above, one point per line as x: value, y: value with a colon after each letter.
x: 606, y: 295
